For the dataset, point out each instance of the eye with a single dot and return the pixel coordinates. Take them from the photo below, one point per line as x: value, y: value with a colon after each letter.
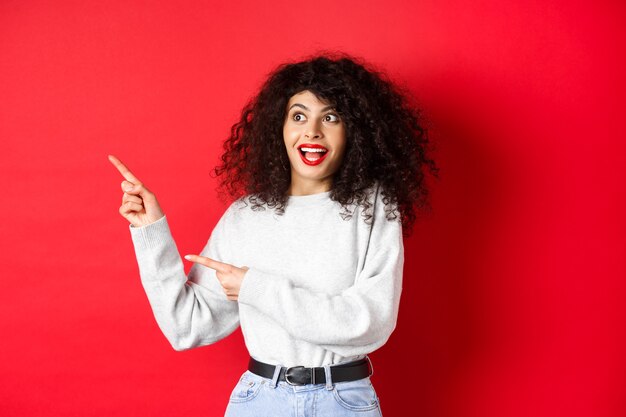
x: 295, y: 115
x: 330, y: 115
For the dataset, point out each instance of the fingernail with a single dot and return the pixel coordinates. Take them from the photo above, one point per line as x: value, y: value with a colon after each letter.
x: 188, y: 257
x: 128, y: 188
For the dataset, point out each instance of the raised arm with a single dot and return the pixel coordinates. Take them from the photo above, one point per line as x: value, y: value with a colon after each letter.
x: 191, y: 310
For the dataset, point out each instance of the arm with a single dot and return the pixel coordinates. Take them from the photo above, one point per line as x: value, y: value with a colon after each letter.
x: 358, y: 320
x: 192, y: 310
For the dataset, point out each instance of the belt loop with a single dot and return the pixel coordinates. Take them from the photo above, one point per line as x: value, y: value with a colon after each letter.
x: 371, y: 366
x: 274, y: 381
x: 329, y: 380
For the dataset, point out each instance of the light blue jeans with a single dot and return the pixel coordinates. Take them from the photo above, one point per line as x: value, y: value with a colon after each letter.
x: 256, y: 396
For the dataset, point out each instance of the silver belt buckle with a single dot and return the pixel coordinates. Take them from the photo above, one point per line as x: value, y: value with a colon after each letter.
x: 298, y: 367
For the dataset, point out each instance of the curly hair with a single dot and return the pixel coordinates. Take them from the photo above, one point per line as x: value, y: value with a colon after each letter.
x: 386, y: 141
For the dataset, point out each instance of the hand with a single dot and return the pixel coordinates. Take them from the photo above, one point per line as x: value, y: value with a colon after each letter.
x: 139, y: 206
x: 230, y: 276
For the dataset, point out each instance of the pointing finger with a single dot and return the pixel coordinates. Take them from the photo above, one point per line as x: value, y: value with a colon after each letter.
x: 211, y: 263
x: 123, y: 170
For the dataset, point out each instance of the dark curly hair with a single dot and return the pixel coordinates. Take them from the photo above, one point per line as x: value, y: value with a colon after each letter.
x: 386, y: 141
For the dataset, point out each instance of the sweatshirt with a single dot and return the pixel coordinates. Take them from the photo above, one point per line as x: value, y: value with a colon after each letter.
x: 319, y: 289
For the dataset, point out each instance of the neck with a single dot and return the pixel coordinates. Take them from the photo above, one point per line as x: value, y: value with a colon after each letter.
x: 309, y: 187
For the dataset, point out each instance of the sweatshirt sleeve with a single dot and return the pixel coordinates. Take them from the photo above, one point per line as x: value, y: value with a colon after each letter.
x: 358, y: 320
x: 191, y: 310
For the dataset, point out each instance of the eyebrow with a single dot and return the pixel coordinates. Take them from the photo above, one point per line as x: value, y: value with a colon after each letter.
x: 307, y: 109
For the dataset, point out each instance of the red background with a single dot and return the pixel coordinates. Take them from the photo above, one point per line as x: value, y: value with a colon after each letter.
x: 513, y: 301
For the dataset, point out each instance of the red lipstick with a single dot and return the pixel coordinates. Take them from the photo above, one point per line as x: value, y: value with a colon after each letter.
x: 314, y: 146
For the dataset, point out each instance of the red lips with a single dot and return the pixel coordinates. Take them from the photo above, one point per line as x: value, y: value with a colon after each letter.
x: 310, y: 145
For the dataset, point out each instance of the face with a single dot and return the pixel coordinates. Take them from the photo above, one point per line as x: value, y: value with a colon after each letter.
x: 315, y: 126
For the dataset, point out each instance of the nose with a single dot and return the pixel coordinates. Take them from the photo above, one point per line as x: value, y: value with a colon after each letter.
x: 312, y: 131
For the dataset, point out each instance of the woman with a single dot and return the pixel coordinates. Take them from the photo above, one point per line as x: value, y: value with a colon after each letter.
x: 325, y: 170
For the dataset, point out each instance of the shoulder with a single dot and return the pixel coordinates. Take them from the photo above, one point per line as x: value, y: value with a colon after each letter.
x: 383, y: 205
x: 236, y: 207
x: 376, y: 193
x: 240, y: 203
x: 240, y: 209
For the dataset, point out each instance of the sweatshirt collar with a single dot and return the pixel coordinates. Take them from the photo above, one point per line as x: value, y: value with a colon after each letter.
x: 308, y: 200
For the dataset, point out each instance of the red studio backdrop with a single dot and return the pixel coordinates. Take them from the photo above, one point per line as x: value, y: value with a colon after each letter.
x: 514, y: 285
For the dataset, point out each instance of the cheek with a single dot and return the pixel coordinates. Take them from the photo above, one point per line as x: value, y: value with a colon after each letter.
x: 290, y: 135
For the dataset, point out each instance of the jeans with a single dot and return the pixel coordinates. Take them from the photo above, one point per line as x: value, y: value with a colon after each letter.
x: 256, y: 396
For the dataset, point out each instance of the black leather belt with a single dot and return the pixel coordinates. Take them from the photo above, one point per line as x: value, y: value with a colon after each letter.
x: 299, y: 375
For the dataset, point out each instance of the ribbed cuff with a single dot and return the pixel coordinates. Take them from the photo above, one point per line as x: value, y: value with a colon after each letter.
x: 254, y: 288
x: 152, y: 235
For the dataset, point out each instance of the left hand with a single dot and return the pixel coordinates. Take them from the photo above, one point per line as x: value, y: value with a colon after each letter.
x: 230, y: 276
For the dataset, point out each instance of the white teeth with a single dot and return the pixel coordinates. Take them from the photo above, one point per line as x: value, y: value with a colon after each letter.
x: 313, y: 150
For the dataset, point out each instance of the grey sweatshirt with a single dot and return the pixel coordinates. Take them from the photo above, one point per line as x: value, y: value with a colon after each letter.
x: 320, y: 290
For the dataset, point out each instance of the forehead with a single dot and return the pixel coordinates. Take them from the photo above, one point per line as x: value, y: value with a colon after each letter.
x: 308, y: 98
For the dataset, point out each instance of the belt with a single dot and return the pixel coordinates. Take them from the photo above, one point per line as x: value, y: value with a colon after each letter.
x: 299, y: 375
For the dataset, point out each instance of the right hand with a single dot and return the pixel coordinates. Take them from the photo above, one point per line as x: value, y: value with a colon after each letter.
x: 139, y: 205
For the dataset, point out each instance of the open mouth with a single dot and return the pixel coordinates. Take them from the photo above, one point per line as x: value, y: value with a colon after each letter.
x: 312, y: 154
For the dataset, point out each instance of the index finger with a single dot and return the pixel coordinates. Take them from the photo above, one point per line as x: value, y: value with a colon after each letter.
x: 123, y: 170
x: 211, y: 263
